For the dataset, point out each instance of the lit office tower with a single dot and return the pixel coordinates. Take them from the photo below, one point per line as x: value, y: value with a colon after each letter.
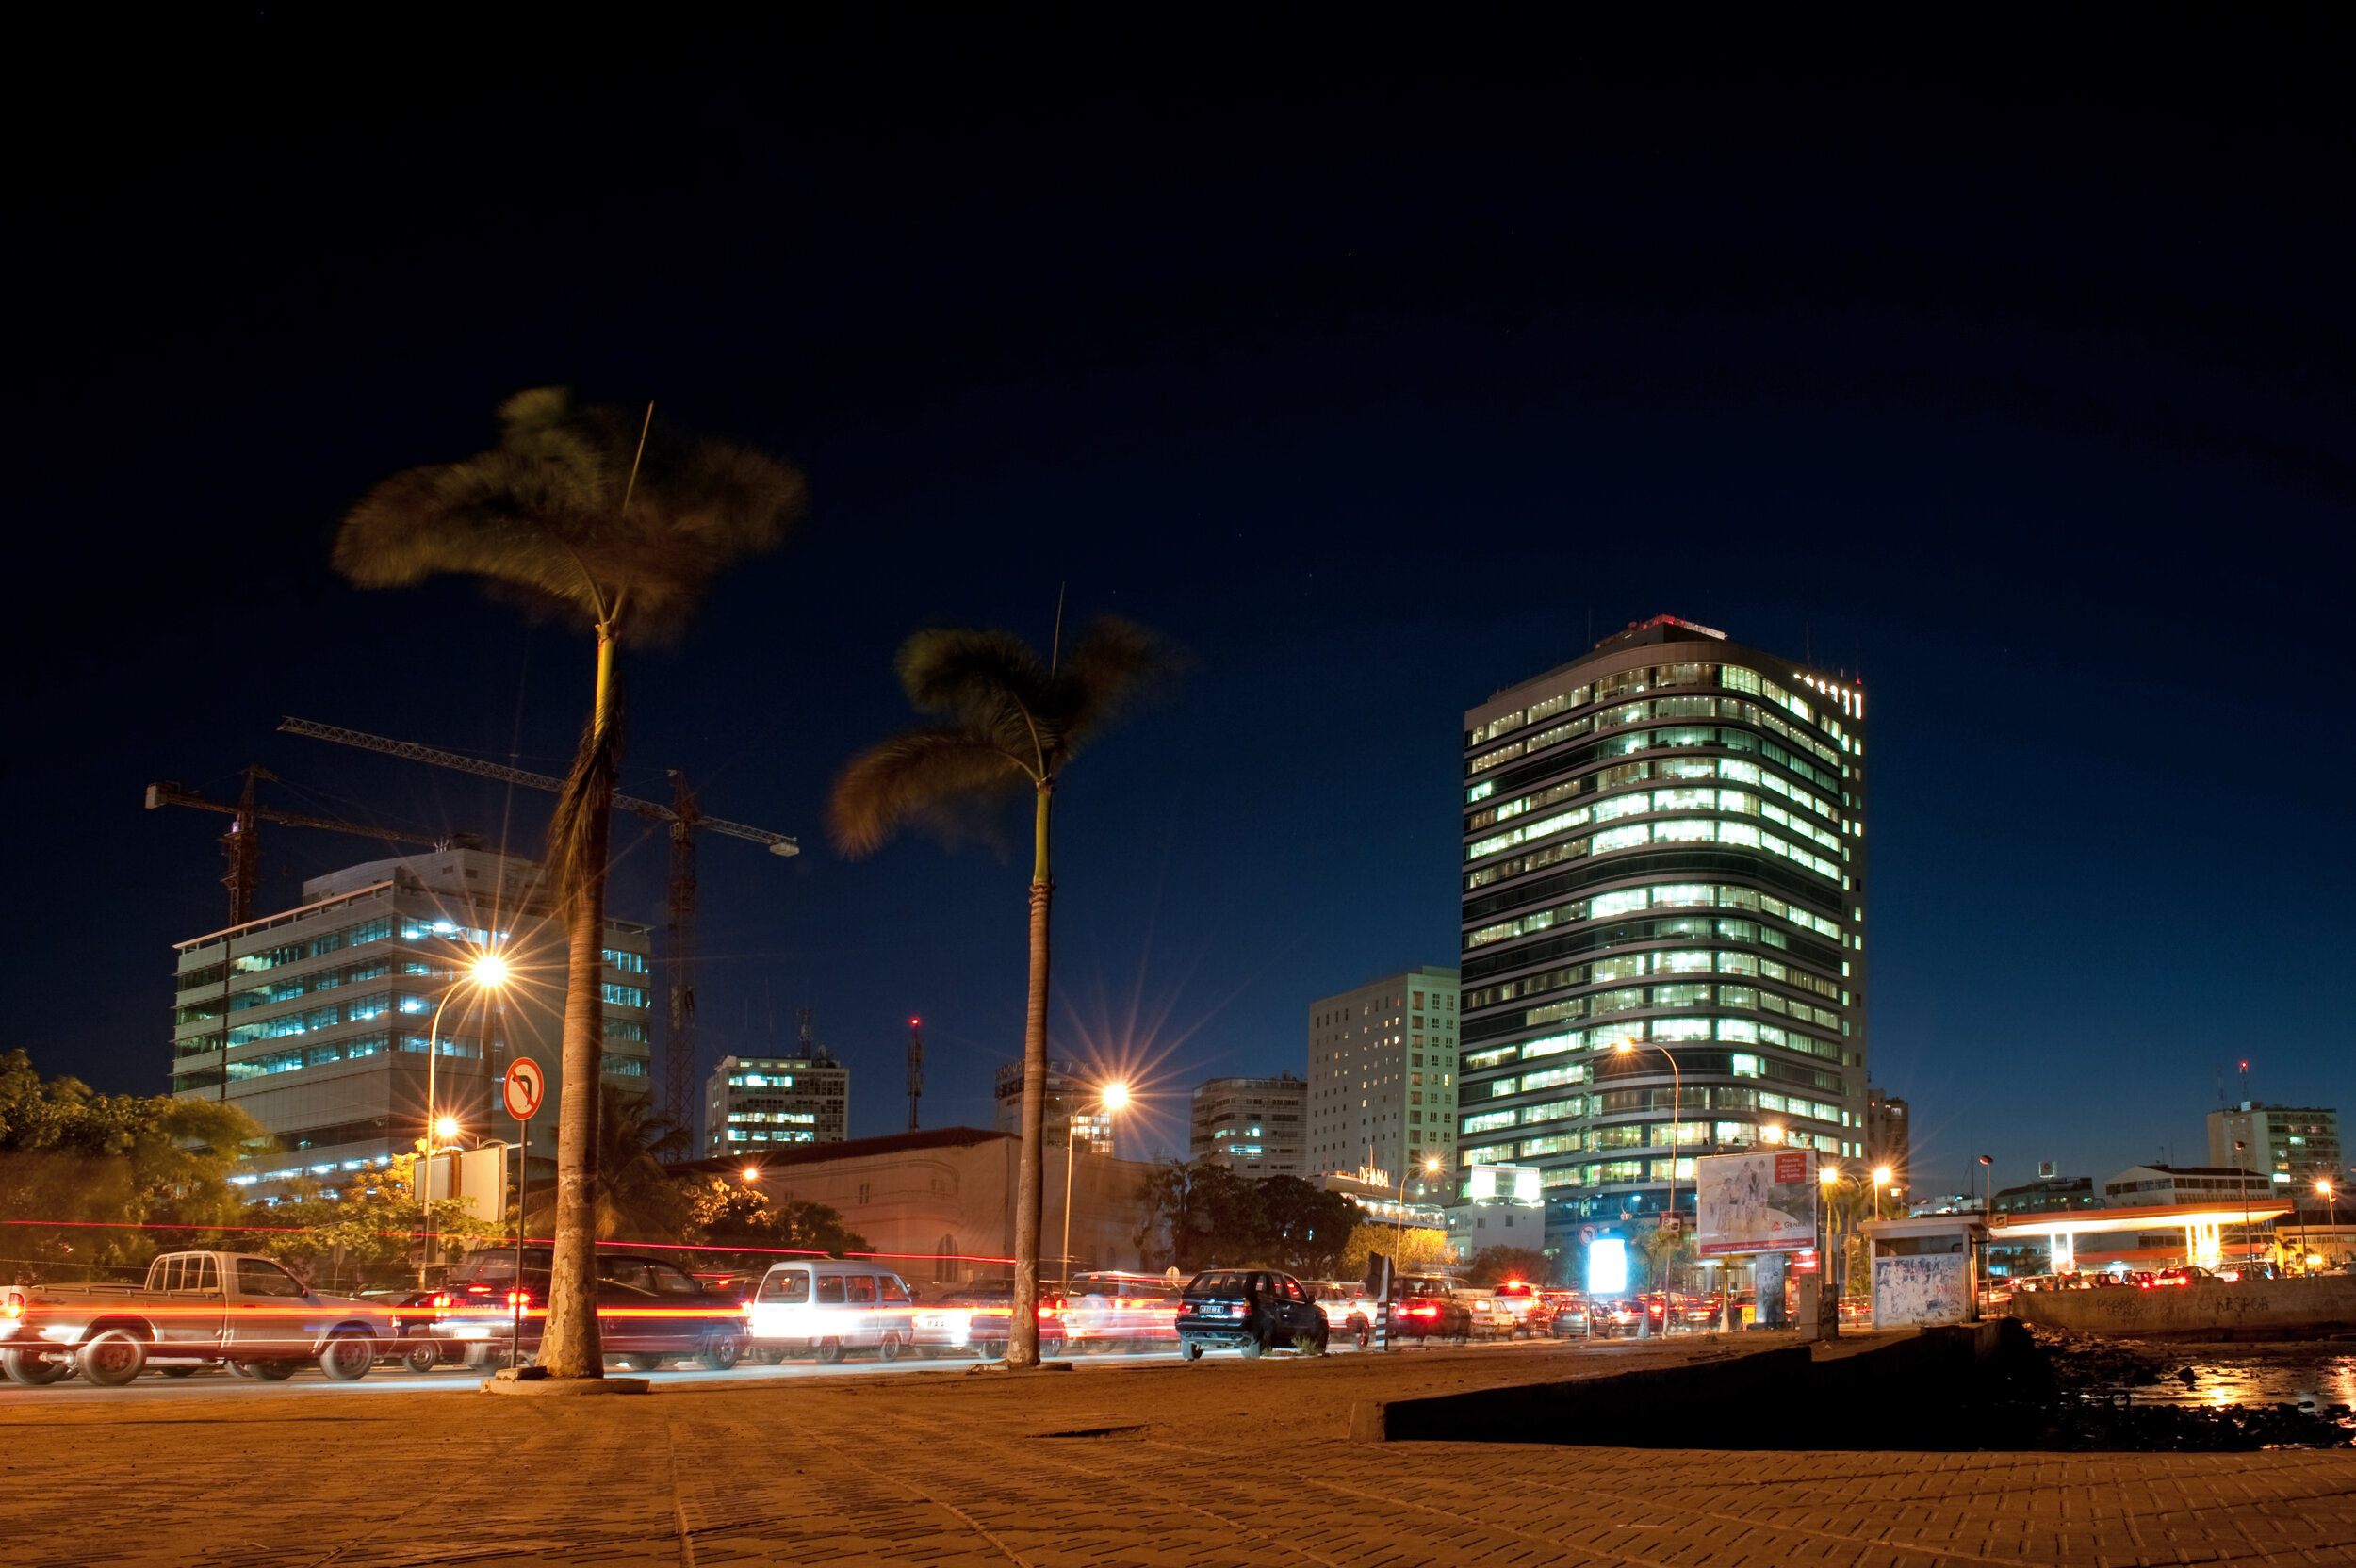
x: 1383, y: 1076
x: 753, y: 1102
x: 316, y: 1021
x: 1254, y: 1126
x: 1665, y: 888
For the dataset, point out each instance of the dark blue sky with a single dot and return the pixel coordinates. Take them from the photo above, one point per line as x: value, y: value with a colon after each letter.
x: 1375, y: 368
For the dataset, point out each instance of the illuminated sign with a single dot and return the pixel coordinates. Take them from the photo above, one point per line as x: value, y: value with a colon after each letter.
x: 1607, y: 1267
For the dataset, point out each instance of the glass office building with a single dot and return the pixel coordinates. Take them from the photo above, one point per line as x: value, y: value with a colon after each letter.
x: 1664, y: 898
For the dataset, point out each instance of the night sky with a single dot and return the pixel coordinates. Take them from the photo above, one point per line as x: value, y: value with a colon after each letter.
x: 1381, y: 365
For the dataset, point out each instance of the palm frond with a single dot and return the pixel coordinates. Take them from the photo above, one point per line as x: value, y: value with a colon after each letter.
x: 991, y: 680
x: 1115, y: 666
x: 924, y: 776
x: 543, y: 514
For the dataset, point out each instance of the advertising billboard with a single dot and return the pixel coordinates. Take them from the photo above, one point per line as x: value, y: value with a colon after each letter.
x: 1760, y: 1201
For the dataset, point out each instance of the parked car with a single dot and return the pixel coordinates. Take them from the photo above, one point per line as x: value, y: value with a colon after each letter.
x: 831, y: 1308
x: 2187, y: 1275
x: 649, y: 1311
x: 1429, y: 1308
x: 1348, y: 1311
x: 1113, y: 1311
x: 1615, y: 1318
x: 1561, y: 1314
x: 974, y: 1321
x: 1253, y: 1310
x: 192, y: 1310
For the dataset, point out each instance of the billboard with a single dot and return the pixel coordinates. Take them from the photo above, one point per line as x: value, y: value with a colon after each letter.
x: 1762, y: 1201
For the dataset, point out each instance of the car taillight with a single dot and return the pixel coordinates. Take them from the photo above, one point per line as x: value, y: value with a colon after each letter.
x: 1423, y: 1311
x: 519, y: 1299
x: 15, y: 1306
x: 441, y: 1299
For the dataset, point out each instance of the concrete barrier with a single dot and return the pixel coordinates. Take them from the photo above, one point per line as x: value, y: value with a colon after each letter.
x: 1924, y: 1392
x: 2223, y: 1309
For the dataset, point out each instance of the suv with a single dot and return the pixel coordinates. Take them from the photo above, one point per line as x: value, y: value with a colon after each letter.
x: 1429, y: 1308
x: 1253, y: 1310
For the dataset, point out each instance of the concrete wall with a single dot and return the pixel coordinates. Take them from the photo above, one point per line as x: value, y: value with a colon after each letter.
x: 2253, y: 1309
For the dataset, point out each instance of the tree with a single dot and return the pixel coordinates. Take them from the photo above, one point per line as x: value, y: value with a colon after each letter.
x: 1494, y: 1266
x: 634, y: 1196
x: 1412, y: 1251
x: 112, y: 1162
x: 1663, y: 1250
x: 621, y: 526
x: 1011, y: 721
x: 1303, y: 1227
x: 366, y: 1231
x: 725, y: 1214
x: 1213, y: 1217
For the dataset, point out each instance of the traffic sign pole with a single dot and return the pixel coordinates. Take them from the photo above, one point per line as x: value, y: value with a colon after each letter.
x: 521, y: 1092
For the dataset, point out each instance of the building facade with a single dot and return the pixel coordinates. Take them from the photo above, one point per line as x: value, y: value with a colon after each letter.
x: 1889, y: 1136
x: 1665, y: 907
x: 2293, y: 1147
x: 941, y: 1202
x: 1072, y: 1088
x: 1255, y: 1127
x: 1381, y: 1087
x: 316, y: 1021
x: 755, y: 1103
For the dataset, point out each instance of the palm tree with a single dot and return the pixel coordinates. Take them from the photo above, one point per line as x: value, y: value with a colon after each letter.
x: 619, y: 525
x: 1012, y: 721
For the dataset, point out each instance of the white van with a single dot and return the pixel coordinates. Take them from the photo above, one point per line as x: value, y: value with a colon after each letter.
x: 829, y: 1308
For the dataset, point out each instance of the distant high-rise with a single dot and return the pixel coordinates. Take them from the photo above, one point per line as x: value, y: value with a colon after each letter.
x: 2294, y: 1147
x: 1382, y: 1078
x: 1664, y: 867
x: 755, y: 1103
x: 1072, y: 1087
x: 324, y: 1011
x: 1251, y: 1125
x: 1888, y: 1135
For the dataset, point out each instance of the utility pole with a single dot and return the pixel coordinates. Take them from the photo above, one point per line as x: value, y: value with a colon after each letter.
x: 916, y: 1068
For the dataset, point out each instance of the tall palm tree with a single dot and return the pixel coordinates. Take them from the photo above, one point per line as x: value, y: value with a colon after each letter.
x: 1012, y: 721
x: 620, y: 525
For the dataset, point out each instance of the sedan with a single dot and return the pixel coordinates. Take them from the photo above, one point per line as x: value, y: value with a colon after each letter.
x: 973, y: 1323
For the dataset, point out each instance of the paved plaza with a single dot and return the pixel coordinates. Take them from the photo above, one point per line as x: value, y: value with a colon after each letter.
x: 1222, y: 1463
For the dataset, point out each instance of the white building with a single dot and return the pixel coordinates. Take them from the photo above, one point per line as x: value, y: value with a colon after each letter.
x: 756, y: 1103
x: 316, y: 1021
x: 1382, y: 1091
x: 1254, y: 1126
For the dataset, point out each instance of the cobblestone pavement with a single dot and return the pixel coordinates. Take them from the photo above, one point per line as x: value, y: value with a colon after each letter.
x: 1226, y: 1461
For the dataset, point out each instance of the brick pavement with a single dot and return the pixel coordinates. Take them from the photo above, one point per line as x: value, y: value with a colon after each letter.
x: 1224, y: 1462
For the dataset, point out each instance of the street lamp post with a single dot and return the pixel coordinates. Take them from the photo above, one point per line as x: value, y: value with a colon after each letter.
x: 2331, y: 1206
x: 489, y: 972
x: 1112, y: 1098
x: 1677, y: 1105
x: 2241, y: 1177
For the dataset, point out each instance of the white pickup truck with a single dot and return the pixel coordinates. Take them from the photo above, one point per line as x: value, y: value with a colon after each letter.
x: 196, y: 1309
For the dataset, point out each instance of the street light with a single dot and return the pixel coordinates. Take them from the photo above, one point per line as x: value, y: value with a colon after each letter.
x: 1110, y: 1098
x: 1676, y: 1104
x: 1881, y: 1180
x: 489, y: 972
x: 2331, y: 1206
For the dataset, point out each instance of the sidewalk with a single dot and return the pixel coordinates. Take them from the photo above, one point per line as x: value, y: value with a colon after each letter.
x: 1225, y: 1462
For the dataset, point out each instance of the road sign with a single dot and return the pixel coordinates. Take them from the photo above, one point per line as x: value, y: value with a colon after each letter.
x: 1673, y: 1224
x: 1586, y: 1234
x: 523, y: 1087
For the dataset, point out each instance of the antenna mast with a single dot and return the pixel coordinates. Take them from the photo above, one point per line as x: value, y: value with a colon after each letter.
x: 916, y: 1068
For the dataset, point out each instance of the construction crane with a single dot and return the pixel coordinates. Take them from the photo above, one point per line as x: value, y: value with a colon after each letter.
x: 242, y: 845
x: 684, y: 818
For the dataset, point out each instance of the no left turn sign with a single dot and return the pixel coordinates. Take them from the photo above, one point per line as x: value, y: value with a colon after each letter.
x: 523, y: 1087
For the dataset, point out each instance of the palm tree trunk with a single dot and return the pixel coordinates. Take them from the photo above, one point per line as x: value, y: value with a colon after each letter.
x: 570, y: 1347
x: 1022, y: 1331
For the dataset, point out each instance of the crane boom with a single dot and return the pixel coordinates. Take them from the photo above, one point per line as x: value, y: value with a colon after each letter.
x: 778, y: 843
x: 171, y: 794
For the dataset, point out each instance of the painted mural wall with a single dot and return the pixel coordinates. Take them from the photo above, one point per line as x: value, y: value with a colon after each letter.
x: 1932, y: 1288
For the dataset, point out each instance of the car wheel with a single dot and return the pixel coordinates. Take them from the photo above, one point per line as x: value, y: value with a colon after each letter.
x: 830, y: 1351
x: 31, y: 1371
x: 720, y: 1354
x: 769, y: 1358
x: 1362, y: 1331
x: 890, y: 1347
x: 1189, y: 1350
x: 638, y: 1361
x: 348, y: 1357
x: 177, y: 1371
x: 111, y: 1358
x: 1317, y: 1345
x: 268, y: 1371
x: 1252, y: 1348
x: 421, y: 1357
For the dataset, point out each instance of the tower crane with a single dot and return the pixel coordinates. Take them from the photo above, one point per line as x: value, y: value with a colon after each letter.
x: 242, y: 846
x: 683, y: 817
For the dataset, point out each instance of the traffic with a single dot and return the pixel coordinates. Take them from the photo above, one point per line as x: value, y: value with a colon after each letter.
x: 247, y: 1317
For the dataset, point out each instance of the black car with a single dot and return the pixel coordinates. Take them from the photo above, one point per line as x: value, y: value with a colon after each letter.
x: 1248, y: 1310
x: 649, y: 1311
x: 1429, y: 1308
